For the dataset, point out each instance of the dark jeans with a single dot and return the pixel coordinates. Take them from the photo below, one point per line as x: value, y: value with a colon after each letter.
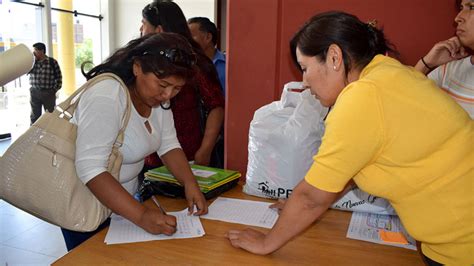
x: 431, y: 262
x: 41, y: 98
x: 74, y: 238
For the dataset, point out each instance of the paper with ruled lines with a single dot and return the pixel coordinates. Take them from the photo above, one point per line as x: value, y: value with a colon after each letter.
x: 247, y: 212
x: 122, y: 230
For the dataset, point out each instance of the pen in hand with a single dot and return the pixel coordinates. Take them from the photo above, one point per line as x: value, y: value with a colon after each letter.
x: 167, y: 223
x: 158, y: 204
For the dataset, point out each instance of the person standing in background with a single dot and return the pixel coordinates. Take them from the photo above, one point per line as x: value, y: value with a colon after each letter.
x: 45, y: 80
x: 204, y: 32
x: 198, y: 111
x: 450, y: 63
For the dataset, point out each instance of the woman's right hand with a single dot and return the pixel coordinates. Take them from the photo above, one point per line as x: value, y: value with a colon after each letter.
x: 156, y: 222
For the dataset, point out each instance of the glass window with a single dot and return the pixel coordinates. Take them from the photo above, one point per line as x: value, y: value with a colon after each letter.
x: 85, y: 39
x: 22, y: 23
x: 87, y: 44
x: 19, y: 23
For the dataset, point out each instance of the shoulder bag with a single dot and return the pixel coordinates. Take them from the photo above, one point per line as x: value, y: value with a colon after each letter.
x: 38, y: 173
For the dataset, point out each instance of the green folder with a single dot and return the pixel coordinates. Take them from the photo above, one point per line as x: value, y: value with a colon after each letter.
x: 208, y: 178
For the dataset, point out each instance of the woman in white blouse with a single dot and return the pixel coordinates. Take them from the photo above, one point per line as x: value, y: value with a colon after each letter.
x: 154, y: 68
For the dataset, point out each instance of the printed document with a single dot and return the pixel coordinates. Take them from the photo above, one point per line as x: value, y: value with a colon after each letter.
x: 122, y: 230
x: 381, y: 229
x: 248, y: 212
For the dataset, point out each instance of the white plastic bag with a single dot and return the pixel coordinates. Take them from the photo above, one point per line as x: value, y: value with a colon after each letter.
x: 283, y: 138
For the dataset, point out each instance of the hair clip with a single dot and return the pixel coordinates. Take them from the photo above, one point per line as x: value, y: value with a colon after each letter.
x: 154, y: 7
x: 372, y: 23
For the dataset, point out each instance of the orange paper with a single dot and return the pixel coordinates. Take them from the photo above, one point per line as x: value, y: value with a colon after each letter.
x: 392, y: 237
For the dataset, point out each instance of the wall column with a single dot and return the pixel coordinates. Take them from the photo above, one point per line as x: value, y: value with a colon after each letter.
x: 66, y: 46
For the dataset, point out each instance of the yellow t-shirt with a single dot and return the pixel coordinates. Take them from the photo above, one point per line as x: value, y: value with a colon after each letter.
x: 401, y: 138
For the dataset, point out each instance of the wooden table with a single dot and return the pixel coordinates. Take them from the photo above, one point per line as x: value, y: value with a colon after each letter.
x: 324, y: 243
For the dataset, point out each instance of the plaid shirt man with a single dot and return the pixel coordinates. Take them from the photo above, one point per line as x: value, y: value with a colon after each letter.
x: 46, y: 75
x: 45, y: 80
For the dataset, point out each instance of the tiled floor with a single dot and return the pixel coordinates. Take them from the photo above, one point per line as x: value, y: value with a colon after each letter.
x: 24, y: 239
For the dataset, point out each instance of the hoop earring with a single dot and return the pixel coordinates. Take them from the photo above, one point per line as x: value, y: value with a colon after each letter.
x: 166, y: 107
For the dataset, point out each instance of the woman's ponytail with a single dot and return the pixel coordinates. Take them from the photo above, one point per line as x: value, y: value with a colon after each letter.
x: 377, y: 42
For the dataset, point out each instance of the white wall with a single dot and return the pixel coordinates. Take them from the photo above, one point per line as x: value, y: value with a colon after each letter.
x: 197, y: 8
x: 128, y: 15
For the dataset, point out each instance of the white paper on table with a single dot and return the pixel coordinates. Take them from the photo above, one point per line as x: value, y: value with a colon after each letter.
x: 366, y: 226
x: 247, y: 212
x: 122, y: 230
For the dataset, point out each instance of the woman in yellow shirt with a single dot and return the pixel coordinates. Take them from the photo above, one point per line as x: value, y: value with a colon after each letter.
x: 391, y: 131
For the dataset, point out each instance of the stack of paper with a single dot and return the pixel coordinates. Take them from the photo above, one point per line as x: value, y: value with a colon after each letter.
x: 381, y: 229
x: 208, y: 178
x: 122, y: 230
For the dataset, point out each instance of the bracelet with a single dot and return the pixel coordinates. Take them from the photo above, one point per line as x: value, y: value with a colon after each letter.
x: 426, y: 65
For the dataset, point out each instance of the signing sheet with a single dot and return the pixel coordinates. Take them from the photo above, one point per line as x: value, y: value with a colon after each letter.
x: 247, y: 212
x: 122, y: 230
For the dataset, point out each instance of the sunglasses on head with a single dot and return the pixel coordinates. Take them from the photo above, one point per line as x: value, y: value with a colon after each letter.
x: 176, y: 56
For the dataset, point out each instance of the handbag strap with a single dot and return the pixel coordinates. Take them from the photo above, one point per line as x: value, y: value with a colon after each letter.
x: 66, y: 109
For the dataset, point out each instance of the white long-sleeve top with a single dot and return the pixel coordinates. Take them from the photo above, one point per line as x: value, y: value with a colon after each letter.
x: 99, y: 118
